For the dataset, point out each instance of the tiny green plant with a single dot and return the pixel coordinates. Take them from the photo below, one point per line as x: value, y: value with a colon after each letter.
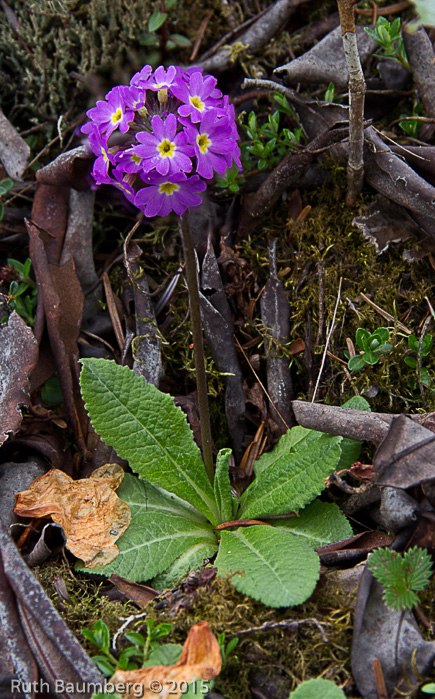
x: 226, y: 647
x: 156, y: 22
x: 179, y: 518
x: 22, y: 294
x: 330, y: 93
x: 5, y: 186
x: 269, y: 143
x: 134, y: 656
x: 412, y: 126
x: 402, y: 575
x: 371, y: 346
x: 389, y: 37
x: 412, y: 362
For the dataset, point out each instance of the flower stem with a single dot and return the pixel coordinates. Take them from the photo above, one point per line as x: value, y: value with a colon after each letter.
x: 198, y: 346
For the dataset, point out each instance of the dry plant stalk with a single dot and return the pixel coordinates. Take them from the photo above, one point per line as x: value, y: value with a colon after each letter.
x: 357, y: 88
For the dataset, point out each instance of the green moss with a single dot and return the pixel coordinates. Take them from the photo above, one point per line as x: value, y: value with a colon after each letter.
x: 293, y: 652
x: 84, y: 604
x: 398, y: 287
x: 64, y: 45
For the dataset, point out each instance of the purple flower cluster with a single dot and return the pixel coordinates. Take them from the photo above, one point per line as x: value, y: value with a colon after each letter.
x: 160, y: 137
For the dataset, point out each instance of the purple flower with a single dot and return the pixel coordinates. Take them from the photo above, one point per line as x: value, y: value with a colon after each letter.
x: 110, y: 115
x: 100, y: 171
x: 169, y: 122
x: 140, y: 79
x: 128, y: 161
x: 213, y: 144
x: 162, y: 79
x: 164, y: 194
x: 198, y: 96
x: 164, y: 149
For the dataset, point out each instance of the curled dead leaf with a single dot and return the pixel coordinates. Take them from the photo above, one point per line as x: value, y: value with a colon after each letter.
x: 92, y: 516
x: 199, y: 660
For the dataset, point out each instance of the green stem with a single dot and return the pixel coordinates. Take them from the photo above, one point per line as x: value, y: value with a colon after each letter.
x: 198, y: 346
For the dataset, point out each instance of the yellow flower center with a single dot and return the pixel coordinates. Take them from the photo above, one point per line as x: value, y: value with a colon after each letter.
x: 196, y: 102
x: 168, y: 188
x: 136, y: 159
x: 104, y: 154
x: 203, y: 142
x: 166, y: 148
x: 117, y: 116
x: 162, y: 96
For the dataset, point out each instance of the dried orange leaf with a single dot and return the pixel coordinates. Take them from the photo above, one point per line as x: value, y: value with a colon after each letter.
x: 199, y: 660
x: 91, y: 514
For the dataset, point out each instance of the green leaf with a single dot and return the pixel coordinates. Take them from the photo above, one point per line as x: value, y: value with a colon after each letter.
x: 190, y: 560
x: 180, y: 40
x: 269, y: 565
x: 428, y: 688
x: 136, y: 638
x: 382, y: 333
x: 156, y: 20
x: 5, y: 186
x: 372, y: 33
x: 160, y: 531
x: 401, y: 575
x: 313, y: 689
x: 356, y: 363
x: 146, y: 428
x: 426, y: 12
x: 319, y: 523
x: 361, y: 337
x: 104, y: 665
x: 293, y: 480
x: 370, y: 358
x: 294, y: 439
x: 166, y: 654
x: 149, y: 40
x: 222, y: 486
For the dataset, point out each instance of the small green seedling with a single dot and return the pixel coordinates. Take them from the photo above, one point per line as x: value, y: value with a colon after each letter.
x: 372, y: 345
x: 135, y: 655
x: 402, y: 575
x: 412, y: 362
x: 156, y: 22
x: 232, y: 179
x: 412, y: 126
x: 22, y: 294
x: 389, y: 38
x: 330, y: 93
x: 226, y: 648
x: 269, y: 143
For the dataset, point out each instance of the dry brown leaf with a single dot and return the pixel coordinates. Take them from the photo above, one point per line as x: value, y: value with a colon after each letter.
x: 91, y: 514
x: 200, y: 660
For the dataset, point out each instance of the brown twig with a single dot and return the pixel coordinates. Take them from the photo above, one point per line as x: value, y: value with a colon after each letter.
x: 200, y: 34
x: 357, y: 87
